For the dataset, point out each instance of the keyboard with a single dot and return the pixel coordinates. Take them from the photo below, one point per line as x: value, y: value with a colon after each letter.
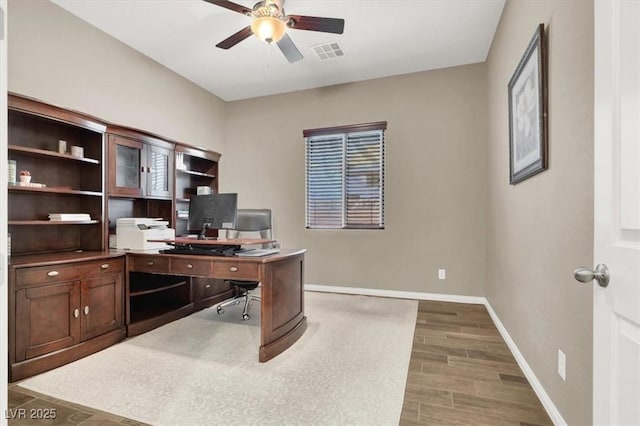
x: 257, y: 252
x: 200, y: 251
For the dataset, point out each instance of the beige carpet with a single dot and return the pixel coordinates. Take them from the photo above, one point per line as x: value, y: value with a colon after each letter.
x: 349, y: 368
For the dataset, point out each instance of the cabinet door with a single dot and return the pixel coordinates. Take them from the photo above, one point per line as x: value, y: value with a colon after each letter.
x: 102, y: 305
x: 160, y: 172
x: 127, y: 159
x: 47, y: 319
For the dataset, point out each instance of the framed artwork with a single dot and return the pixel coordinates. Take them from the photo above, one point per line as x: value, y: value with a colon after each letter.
x: 528, y: 112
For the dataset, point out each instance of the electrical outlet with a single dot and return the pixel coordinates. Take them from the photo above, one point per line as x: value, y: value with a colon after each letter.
x: 442, y: 274
x: 562, y: 365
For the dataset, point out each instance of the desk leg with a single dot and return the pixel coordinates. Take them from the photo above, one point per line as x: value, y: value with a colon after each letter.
x: 282, y: 320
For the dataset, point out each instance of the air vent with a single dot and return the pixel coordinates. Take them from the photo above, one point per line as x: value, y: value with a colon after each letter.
x: 328, y: 50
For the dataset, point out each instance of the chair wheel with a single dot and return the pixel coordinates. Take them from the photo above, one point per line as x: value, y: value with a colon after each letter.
x: 246, y: 317
x: 220, y: 310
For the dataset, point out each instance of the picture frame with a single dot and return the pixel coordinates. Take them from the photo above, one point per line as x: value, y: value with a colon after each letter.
x: 528, y: 139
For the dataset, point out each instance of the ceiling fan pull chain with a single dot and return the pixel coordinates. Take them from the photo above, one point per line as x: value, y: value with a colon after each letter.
x: 269, y: 55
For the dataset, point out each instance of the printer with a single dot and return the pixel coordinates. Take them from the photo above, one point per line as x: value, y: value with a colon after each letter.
x: 133, y: 233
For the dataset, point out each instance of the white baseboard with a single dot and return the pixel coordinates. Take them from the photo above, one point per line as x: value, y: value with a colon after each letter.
x: 546, y: 401
x: 396, y: 294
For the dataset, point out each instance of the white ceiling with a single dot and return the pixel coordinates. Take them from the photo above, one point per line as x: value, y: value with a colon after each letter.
x: 381, y: 38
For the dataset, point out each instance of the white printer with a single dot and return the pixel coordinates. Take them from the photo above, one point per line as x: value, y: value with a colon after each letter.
x: 133, y: 233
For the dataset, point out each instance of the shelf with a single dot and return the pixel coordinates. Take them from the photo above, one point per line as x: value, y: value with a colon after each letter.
x: 145, y: 318
x: 148, y: 288
x: 182, y: 200
x: 191, y: 172
x: 51, y: 154
x: 62, y: 190
x: 52, y: 222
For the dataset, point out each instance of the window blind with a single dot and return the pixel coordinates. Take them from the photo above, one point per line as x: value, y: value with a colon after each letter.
x: 345, y: 177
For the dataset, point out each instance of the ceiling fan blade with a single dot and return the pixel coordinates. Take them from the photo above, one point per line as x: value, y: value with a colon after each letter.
x: 235, y: 38
x: 289, y: 49
x: 313, y: 23
x: 231, y: 6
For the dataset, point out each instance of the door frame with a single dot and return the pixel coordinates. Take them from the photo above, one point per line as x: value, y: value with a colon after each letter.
x: 3, y: 210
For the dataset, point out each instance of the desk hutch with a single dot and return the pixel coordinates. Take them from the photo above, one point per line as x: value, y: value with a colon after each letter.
x: 69, y: 295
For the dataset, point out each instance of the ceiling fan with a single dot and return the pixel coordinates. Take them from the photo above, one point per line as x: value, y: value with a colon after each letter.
x: 270, y: 24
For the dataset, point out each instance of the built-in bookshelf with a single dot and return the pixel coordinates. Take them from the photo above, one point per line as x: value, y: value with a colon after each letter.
x: 60, y: 182
x: 194, y: 168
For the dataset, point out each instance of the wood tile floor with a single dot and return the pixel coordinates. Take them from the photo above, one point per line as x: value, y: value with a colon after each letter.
x: 461, y: 373
x: 27, y: 408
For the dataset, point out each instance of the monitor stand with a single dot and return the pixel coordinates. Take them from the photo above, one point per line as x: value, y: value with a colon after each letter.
x: 206, y: 250
x: 203, y: 231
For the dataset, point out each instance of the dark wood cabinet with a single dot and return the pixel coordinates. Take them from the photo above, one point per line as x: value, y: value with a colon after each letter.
x: 66, y: 292
x: 63, y: 310
x: 140, y: 177
x: 139, y: 165
x: 56, y: 315
x: 102, y: 304
x: 47, y: 319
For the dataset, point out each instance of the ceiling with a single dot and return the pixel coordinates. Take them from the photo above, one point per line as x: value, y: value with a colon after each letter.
x: 381, y: 38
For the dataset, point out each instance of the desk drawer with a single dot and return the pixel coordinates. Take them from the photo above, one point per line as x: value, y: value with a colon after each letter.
x: 110, y: 265
x: 190, y: 267
x: 71, y: 271
x: 152, y: 264
x: 45, y: 274
x: 236, y: 271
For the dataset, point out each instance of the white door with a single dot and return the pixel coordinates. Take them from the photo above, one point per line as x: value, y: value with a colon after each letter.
x: 616, y: 339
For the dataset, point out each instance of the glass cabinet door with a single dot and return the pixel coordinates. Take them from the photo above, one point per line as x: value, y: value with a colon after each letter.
x: 127, y: 158
x: 128, y: 166
x: 160, y: 172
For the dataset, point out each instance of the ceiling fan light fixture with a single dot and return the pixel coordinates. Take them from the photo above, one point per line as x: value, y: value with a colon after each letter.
x: 268, y: 29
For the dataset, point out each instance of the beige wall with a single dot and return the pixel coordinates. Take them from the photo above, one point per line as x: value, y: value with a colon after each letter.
x: 58, y: 58
x: 435, y: 178
x: 539, y: 230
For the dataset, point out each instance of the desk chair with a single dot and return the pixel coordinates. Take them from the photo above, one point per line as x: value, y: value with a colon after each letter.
x: 250, y: 221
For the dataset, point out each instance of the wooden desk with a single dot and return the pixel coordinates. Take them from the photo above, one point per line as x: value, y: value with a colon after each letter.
x: 282, y: 320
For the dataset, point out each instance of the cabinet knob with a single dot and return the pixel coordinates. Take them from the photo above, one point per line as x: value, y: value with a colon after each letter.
x: 207, y: 286
x: 233, y: 269
x: 189, y: 266
x: 53, y: 273
x: 150, y: 263
x: 76, y: 313
x: 86, y: 310
x: 104, y: 266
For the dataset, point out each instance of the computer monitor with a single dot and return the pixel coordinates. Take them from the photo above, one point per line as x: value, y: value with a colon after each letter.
x: 212, y: 211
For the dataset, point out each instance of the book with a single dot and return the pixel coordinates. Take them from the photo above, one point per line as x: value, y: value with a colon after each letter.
x: 69, y: 216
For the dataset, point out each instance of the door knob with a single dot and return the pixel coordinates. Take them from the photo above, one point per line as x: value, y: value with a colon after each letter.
x: 600, y: 274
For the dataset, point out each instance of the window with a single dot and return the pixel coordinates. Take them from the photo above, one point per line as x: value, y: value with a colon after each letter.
x: 345, y: 176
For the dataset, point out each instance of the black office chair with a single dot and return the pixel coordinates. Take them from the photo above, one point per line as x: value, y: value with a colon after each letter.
x: 250, y: 221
